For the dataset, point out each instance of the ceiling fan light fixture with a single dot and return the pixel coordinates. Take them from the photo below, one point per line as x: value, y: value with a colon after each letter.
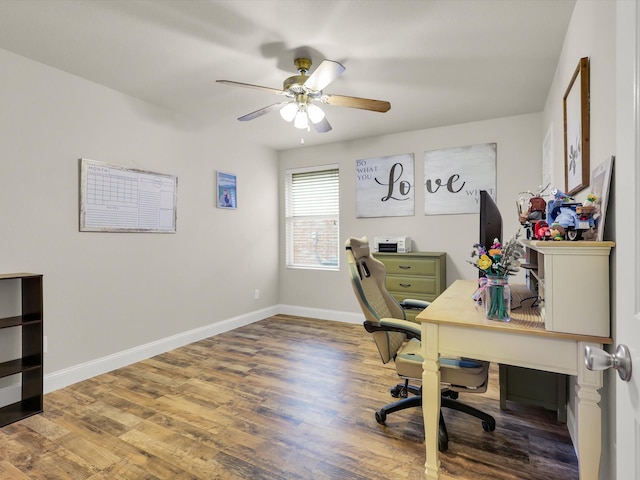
x: 316, y: 114
x: 303, y: 89
x: 302, y: 120
x: 288, y: 112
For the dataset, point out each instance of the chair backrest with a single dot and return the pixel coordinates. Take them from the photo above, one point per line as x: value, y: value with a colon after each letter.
x: 368, y: 282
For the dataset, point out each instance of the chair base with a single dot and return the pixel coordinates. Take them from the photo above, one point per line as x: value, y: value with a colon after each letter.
x: 488, y: 422
x: 402, y: 390
x: 448, y: 399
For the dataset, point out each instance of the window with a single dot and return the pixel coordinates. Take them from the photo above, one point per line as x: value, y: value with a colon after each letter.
x: 312, y: 217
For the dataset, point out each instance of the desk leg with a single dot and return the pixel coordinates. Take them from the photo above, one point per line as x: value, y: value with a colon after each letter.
x: 431, y: 397
x: 588, y: 418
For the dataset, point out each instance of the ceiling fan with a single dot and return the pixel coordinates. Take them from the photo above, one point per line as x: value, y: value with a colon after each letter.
x: 303, y: 91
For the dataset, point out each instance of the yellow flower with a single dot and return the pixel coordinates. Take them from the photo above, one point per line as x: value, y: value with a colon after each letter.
x: 484, y: 262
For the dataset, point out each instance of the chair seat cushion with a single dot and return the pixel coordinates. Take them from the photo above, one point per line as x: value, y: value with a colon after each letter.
x: 409, y: 360
x: 463, y: 372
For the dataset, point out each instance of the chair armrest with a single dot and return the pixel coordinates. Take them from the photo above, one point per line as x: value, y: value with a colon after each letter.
x: 414, y: 304
x: 410, y: 329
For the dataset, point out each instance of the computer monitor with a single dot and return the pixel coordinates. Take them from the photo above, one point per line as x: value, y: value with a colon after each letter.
x: 490, y: 221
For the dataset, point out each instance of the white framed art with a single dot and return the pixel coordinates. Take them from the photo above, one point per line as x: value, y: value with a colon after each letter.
x: 453, y: 178
x: 114, y: 198
x: 385, y: 186
x: 600, y: 185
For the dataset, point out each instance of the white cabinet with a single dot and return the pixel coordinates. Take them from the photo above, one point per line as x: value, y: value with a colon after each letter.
x: 572, y: 282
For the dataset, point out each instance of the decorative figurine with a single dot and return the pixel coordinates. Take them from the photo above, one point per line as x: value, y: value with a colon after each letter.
x: 541, y: 230
x: 535, y: 212
x: 556, y: 232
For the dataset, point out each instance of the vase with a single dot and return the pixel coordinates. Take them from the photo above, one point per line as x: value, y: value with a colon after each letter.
x: 497, y: 298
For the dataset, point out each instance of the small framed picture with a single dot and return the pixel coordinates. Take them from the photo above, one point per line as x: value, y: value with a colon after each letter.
x: 600, y: 184
x: 226, y: 190
x: 576, y: 130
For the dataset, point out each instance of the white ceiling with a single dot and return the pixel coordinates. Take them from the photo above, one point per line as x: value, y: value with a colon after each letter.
x: 439, y: 62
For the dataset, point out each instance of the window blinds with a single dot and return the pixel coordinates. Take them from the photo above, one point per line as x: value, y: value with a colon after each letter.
x: 312, y: 218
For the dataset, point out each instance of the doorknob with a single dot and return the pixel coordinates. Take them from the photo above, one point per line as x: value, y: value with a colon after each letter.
x: 597, y: 359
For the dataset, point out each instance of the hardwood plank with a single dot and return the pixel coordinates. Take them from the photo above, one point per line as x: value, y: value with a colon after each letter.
x: 284, y: 398
x: 9, y: 472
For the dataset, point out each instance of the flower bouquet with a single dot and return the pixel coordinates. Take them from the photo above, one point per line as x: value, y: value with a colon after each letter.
x: 497, y: 262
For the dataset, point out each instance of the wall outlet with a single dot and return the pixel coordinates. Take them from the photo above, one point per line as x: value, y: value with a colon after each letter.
x: 45, y: 344
x: 256, y: 294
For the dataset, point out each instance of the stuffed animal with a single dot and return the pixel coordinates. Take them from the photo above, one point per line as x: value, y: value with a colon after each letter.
x: 591, y: 200
x: 541, y: 230
x: 560, y: 199
x: 591, y: 234
x: 556, y: 231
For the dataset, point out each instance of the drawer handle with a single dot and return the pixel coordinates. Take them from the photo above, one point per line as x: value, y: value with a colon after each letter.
x: 405, y: 285
x: 404, y: 267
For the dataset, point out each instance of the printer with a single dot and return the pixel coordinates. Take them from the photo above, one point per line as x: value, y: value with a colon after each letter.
x: 394, y: 244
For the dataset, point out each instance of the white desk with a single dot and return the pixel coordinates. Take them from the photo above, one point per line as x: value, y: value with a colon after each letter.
x: 454, y: 326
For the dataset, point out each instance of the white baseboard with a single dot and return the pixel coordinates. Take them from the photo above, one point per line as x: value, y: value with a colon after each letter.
x: 77, y: 373
x: 321, y: 313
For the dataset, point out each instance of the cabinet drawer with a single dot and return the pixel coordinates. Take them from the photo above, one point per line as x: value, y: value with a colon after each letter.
x: 409, y: 284
x: 409, y: 266
x: 400, y: 296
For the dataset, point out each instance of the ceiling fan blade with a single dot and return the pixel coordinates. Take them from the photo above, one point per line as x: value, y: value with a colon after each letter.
x: 262, y: 111
x: 355, y: 102
x: 323, y: 126
x: 326, y: 73
x: 248, y: 85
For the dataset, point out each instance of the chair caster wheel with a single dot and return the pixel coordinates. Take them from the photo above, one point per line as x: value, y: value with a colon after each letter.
x: 488, y: 426
x: 381, y: 417
x: 396, y: 392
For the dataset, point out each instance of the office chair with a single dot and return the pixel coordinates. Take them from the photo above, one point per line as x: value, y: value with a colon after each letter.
x: 399, y: 340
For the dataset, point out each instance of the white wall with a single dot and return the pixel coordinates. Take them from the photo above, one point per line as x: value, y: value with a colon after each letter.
x: 105, y: 293
x: 591, y: 33
x: 519, y: 147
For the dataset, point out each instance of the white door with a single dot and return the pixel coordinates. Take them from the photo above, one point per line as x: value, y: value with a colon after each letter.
x: 627, y: 222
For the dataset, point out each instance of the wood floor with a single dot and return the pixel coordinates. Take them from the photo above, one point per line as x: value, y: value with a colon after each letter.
x: 283, y: 398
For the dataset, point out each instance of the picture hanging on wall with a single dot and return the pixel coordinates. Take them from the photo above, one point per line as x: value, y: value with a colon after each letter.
x: 576, y: 130
x: 384, y: 186
x: 600, y: 183
x: 226, y: 190
x: 453, y: 178
x: 114, y: 198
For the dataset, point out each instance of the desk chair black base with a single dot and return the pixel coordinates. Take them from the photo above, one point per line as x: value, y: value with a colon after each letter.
x: 404, y: 389
x: 447, y: 400
x: 381, y: 417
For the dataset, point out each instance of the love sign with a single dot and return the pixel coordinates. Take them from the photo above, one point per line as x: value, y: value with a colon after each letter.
x: 385, y: 186
x: 453, y: 178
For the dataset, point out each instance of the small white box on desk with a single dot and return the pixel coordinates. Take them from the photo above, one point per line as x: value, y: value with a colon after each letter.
x: 572, y: 279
